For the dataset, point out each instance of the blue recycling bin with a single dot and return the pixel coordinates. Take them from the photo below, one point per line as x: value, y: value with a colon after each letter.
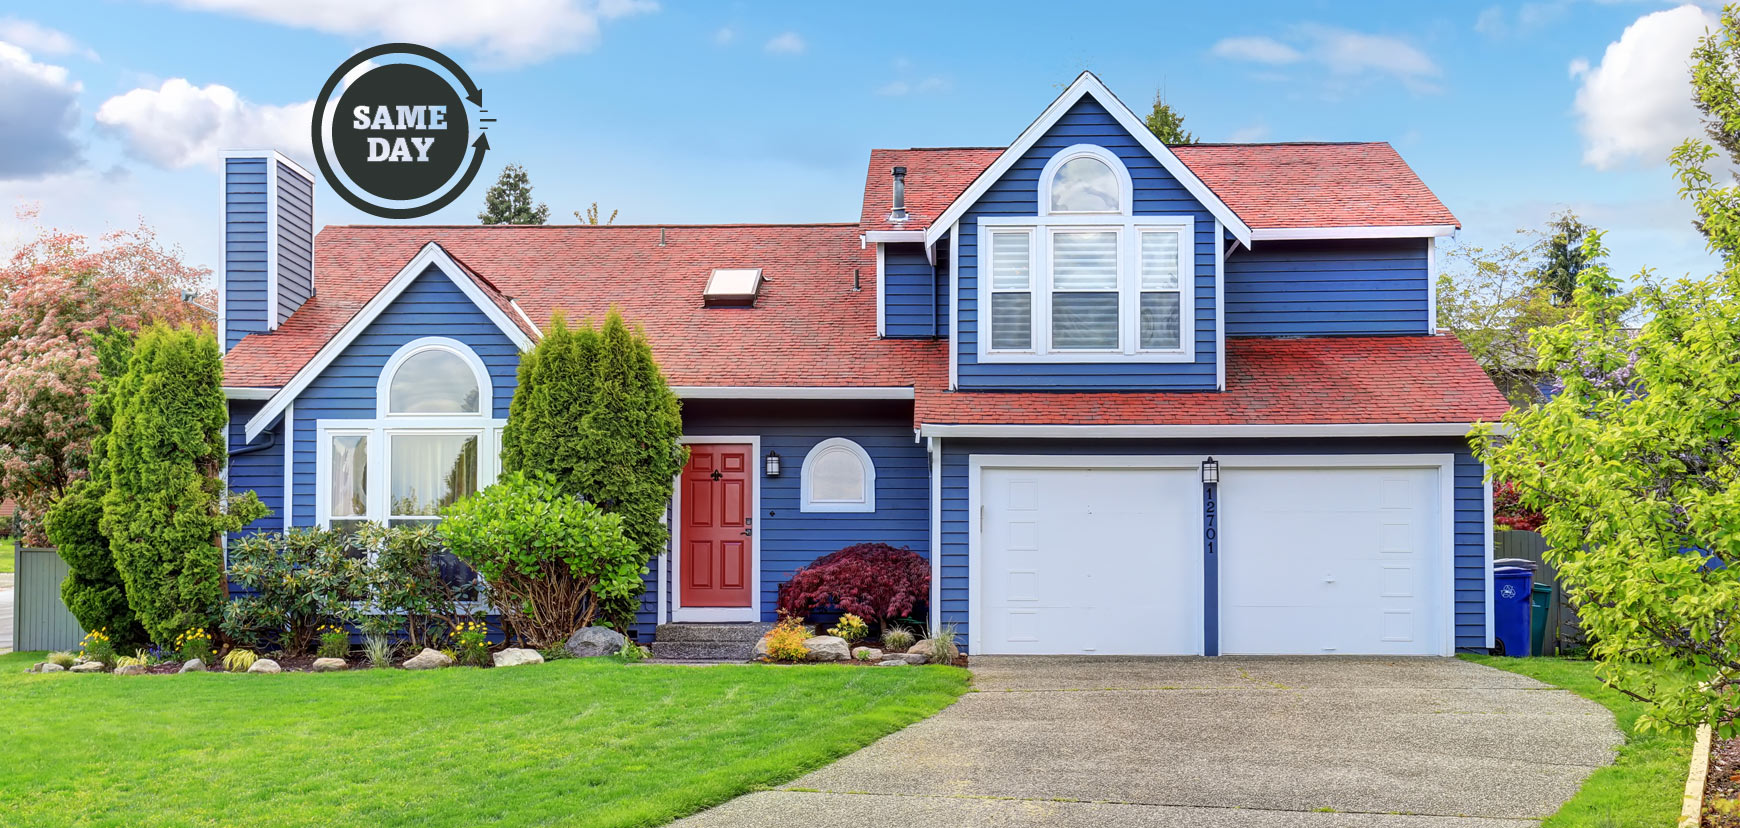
x: 1512, y: 590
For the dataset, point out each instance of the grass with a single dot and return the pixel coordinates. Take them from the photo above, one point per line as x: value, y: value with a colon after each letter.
x: 6, y: 556
x: 575, y: 743
x: 1644, y: 784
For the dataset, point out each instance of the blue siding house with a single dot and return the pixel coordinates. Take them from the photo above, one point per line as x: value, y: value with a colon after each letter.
x: 1126, y: 398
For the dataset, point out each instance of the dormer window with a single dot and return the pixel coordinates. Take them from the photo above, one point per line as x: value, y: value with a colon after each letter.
x: 1085, y: 279
x: 732, y: 287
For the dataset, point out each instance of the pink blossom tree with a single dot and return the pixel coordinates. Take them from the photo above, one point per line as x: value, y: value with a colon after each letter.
x: 58, y: 292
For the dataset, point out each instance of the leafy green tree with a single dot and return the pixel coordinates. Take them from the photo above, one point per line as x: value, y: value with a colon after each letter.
x: 93, y: 590
x: 164, y: 511
x: 1166, y: 123
x: 591, y: 216
x: 593, y: 411
x: 509, y: 201
x: 1564, y: 257
x: 1716, y: 83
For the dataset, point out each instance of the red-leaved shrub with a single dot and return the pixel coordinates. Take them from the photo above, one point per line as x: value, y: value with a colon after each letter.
x: 873, y: 581
x: 1508, y: 509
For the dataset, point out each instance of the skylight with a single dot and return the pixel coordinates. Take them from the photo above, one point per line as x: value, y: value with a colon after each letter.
x: 733, y: 286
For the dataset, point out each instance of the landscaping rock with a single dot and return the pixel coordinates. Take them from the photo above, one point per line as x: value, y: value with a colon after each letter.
x: 192, y: 665
x: 591, y: 642
x: 913, y: 658
x: 265, y: 665
x: 893, y: 662
x: 428, y: 660
x: 761, y: 648
x: 330, y: 665
x: 828, y: 648
x: 866, y: 654
x: 46, y: 667
x: 924, y: 648
x: 515, y: 656
x: 130, y: 670
x: 88, y: 667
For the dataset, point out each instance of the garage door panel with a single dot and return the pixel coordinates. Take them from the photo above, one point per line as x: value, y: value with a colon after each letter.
x: 1090, y: 561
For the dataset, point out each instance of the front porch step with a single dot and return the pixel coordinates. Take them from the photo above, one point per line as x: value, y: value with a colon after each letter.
x: 707, y: 642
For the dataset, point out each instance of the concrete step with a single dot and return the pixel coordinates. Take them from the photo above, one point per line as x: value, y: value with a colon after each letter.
x: 703, y: 650
x: 745, y: 633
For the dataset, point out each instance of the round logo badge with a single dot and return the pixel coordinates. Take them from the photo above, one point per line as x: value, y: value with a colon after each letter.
x: 1507, y: 591
x: 397, y: 142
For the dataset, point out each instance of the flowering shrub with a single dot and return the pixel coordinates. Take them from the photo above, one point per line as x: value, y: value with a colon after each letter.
x: 194, y: 643
x: 96, y: 646
x: 471, y: 643
x: 334, y: 642
x: 873, y: 581
x: 851, y: 628
x: 786, y: 641
x: 1508, y: 508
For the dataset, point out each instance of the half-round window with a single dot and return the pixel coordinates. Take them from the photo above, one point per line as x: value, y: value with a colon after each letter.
x: 838, y: 476
x: 1085, y: 184
x: 434, y: 380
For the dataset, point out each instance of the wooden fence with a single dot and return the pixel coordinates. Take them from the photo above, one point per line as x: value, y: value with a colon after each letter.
x: 39, y: 620
x: 1563, y: 631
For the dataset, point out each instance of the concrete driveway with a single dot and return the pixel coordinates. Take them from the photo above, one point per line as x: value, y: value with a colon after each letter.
x: 1087, y: 741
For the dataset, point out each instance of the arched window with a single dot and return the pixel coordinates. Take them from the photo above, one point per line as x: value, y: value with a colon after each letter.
x: 838, y: 476
x: 1084, y: 179
x: 434, y: 379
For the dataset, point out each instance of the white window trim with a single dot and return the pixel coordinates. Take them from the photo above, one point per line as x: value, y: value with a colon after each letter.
x: 1126, y: 188
x: 479, y: 372
x: 379, y: 432
x: 810, y: 504
x: 1129, y: 229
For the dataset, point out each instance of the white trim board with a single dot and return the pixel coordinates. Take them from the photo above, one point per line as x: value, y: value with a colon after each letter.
x: 431, y: 254
x: 752, y: 613
x: 1412, y: 231
x: 881, y: 291
x: 1087, y: 84
x: 1219, y: 306
x: 236, y: 392
x: 935, y: 463
x: 893, y: 236
x: 1191, y: 431
x: 272, y: 244
x: 793, y: 392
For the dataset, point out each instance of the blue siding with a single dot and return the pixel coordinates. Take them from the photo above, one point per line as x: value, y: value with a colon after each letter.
x: 944, y: 250
x: 295, y: 240
x: 1470, y: 519
x: 431, y: 306
x: 909, y: 292
x: 261, y: 472
x: 1303, y: 288
x: 1157, y: 192
x: 791, y: 538
x: 244, y: 248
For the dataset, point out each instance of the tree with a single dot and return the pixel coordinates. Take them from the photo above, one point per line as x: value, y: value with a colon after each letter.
x: 93, y: 590
x: 509, y: 201
x: 1564, y: 256
x: 1492, y: 300
x: 1166, y: 123
x: 59, y: 294
x: 593, y: 411
x: 1716, y: 83
x: 591, y: 216
x: 1635, y: 462
x: 164, y: 512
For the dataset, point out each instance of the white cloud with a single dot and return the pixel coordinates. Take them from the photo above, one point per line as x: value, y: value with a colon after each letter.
x: 725, y: 35
x: 179, y: 124
x: 39, y: 39
x: 1495, y: 23
x: 1636, y: 103
x: 1346, y: 54
x: 42, y: 111
x: 789, y: 43
x: 502, y: 32
x: 1256, y: 50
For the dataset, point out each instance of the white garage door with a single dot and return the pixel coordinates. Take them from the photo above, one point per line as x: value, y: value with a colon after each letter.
x: 1332, y: 561
x: 1104, y: 561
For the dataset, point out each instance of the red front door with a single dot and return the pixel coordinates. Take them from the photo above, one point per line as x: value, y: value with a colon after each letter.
x: 718, y: 556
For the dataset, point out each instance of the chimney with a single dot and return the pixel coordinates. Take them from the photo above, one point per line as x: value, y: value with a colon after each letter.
x: 899, y: 213
x: 266, y: 262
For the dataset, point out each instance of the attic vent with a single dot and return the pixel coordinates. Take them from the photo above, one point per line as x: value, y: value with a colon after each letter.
x: 732, y: 287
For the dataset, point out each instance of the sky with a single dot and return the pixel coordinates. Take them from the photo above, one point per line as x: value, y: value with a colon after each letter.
x: 684, y: 112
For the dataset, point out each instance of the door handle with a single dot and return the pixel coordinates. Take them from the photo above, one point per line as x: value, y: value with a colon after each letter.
x: 749, y: 527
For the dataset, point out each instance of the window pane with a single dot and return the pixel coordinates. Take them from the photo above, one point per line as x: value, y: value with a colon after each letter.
x: 1009, y: 261
x: 350, y: 476
x: 1084, y: 321
x: 837, y: 476
x: 1084, y: 260
x: 436, y: 381
x: 1160, y: 261
x: 1084, y: 185
x: 431, y: 471
x: 1012, y: 320
x: 1160, y: 320
x: 348, y: 528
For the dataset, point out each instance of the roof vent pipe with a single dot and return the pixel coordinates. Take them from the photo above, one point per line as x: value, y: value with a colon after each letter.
x: 661, y: 237
x: 899, y: 213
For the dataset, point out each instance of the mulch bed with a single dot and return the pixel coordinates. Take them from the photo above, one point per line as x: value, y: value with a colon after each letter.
x: 1723, y: 782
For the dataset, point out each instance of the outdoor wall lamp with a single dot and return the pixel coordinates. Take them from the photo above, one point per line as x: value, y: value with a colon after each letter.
x: 1210, y: 471
x: 773, y: 464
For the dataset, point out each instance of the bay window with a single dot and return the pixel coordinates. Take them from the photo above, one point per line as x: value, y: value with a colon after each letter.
x: 1086, y: 279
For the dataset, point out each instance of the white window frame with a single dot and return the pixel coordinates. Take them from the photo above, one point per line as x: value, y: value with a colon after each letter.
x: 1129, y: 228
x: 868, y: 467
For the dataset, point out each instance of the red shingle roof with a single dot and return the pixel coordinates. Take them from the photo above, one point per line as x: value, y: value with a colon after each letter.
x: 808, y: 328
x: 1319, y: 380
x: 1267, y: 185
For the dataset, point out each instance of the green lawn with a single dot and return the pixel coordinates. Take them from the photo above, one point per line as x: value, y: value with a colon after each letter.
x: 1644, y: 785
x: 576, y: 742
x: 6, y: 564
